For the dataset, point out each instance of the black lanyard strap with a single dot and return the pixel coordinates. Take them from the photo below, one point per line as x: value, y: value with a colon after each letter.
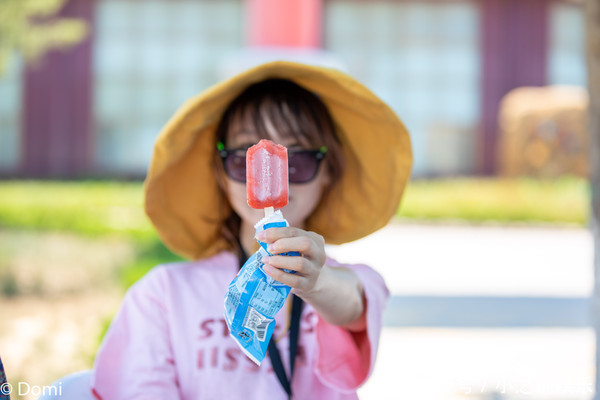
x: 274, y: 352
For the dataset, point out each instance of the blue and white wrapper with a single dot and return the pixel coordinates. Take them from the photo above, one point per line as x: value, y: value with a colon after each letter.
x: 253, y: 298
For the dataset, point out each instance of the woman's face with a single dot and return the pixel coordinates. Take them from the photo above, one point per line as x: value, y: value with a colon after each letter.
x: 303, y: 198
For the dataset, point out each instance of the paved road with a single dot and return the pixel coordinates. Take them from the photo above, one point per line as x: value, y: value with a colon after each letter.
x: 482, y: 312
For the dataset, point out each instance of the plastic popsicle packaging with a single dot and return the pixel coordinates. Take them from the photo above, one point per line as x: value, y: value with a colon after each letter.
x: 267, y: 175
x: 253, y: 298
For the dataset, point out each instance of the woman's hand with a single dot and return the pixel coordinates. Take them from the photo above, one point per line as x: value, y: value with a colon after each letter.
x: 307, y: 266
x: 334, y: 292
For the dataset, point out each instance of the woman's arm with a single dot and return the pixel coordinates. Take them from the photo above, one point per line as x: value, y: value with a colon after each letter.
x: 335, y: 293
x: 338, y: 297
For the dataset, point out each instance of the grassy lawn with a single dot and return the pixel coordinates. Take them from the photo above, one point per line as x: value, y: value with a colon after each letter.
x: 93, y: 208
x: 88, y: 208
x: 562, y: 201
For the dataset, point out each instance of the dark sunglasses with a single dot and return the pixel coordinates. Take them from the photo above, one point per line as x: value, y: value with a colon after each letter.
x: 303, y: 165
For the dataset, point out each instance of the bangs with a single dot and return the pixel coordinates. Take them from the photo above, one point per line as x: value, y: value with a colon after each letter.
x: 276, y: 109
x: 279, y: 108
x: 285, y: 114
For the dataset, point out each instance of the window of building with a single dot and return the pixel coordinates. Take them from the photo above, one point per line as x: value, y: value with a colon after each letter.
x: 10, y: 115
x: 566, y: 55
x: 150, y: 56
x: 423, y: 59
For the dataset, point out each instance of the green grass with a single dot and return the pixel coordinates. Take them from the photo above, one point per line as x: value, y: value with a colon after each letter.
x: 93, y: 208
x: 563, y: 201
x: 88, y: 208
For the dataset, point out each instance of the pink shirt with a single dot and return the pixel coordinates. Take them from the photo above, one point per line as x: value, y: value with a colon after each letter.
x: 169, y: 340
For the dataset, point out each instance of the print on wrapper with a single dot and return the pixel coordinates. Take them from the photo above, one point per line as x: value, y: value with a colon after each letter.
x: 253, y: 298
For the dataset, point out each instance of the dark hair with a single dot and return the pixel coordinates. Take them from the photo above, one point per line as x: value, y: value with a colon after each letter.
x: 292, y: 111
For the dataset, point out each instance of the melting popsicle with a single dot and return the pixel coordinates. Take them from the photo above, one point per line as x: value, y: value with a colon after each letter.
x: 267, y: 176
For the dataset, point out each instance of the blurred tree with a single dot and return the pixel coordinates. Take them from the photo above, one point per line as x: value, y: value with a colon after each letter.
x: 31, y: 27
x: 593, y: 65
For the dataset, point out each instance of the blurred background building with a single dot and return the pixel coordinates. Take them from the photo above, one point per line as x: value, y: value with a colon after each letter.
x: 444, y: 66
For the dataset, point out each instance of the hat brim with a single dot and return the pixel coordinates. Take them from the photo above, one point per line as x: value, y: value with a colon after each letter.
x: 186, y: 206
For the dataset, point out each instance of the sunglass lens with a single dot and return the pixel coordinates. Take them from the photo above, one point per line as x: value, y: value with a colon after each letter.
x: 235, y: 166
x: 302, y: 167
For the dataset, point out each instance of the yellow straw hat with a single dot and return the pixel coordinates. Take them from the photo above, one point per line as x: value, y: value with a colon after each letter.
x: 185, y: 204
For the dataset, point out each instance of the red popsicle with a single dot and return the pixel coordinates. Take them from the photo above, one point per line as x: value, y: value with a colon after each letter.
x: 267, y: 175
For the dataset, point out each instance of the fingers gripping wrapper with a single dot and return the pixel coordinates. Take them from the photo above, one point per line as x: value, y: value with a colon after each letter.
x: 253, y: 298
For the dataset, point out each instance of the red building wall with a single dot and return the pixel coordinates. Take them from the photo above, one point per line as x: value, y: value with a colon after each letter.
x: 290, y: 23
x: 57, y: 109
x: 514, y: 52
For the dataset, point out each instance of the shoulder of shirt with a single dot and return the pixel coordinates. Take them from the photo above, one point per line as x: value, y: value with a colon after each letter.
x: 365, y: 272
x: 332, y: 262
x: 220, y: 263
